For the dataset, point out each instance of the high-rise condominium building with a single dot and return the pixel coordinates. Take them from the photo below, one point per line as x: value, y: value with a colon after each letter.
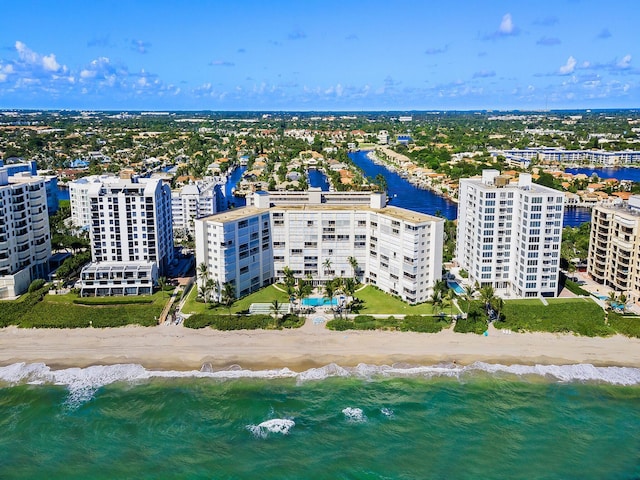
x: 131, y: 237
x: 323, y: 235
x: 196, y: 200
x: 509, y: 234
x: 79, y: 197
x: 614, y: 248
x: 25, y: 239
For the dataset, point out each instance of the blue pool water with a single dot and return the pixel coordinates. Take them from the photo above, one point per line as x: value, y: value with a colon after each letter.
x: 456, y: 287
x: 319, y: 302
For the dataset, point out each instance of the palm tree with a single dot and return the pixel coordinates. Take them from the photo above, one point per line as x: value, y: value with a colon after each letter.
x: 275, y: 309
x: 329, y: 290
x: 289, y: 278
x: 203, y: 272
x: 487, y: 295
x: 327, y: 266
x: 468, y: 296
x: 436, y: 299
x: 210, y: 286
x: 228, y: 295
x: 353, y: 261
x: 450, y: 296
x: 162, y: 282
x: 611, y: 299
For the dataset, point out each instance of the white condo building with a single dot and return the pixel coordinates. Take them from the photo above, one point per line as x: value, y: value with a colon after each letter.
x: 79, y: 197
x: 509, y: 234
x: 131, y: 237
x: 314, y: 234
x: 195, y: 200
x: 25, y: 239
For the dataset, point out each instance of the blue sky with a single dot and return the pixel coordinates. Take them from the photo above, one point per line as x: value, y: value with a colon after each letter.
x: 319, y: 55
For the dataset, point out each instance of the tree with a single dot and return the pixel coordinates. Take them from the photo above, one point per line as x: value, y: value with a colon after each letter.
x: 275, y: 309
x: 289, y: 278
x: 203, y: 272
x: 436, y: 299
x: 327, y: 266
x: 450, y: 296
x: 162, y: 282
x: 353, y: 261
x: 228, y: 295
x: 329, y: 290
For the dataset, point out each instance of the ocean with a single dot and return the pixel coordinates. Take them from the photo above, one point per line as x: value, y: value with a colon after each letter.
x: 442, y: 422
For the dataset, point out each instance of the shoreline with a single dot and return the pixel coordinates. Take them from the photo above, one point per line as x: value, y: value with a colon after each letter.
x: 312, y: 346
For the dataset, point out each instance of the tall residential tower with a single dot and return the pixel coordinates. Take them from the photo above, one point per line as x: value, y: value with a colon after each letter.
x: 509, y: 234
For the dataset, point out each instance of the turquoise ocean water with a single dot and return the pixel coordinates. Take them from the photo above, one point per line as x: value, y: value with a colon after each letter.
x: 442, y: 422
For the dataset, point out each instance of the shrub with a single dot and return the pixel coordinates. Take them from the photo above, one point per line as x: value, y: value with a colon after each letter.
x: 112, y: 300
x: 573, y: 287
x: 226, y: 322
x: 426, y: 324
x: 476, y: 321
x: 37, y: 284
x: 340, y: 325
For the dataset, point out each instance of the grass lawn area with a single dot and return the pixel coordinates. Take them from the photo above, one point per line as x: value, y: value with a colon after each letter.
x: 264, y: 295
x: 628, y: 325
x: 376, y: 301
x: 578, y: 315
x: 59, y: 311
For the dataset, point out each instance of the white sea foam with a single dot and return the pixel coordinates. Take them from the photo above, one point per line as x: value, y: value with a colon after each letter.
x: 354, y: 414
x: 387, y: 412
x: 82, y: 383
x: 276, y: 425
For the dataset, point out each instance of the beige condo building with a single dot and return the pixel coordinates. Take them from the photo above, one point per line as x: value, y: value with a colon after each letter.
x: 614, y: 248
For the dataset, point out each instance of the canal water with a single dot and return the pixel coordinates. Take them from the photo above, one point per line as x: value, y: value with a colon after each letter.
x: 402, y: 193
x: 620, y: 173
x: 317, y: 178
x: 405, y: 195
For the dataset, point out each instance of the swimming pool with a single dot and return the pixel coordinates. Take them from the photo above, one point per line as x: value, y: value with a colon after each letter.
x: 319, y: 302
x: 455, y: 286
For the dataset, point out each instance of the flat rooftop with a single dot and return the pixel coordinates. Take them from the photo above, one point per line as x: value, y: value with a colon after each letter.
x: 394, y: 212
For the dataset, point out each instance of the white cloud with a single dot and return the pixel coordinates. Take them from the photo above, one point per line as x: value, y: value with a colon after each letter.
x: 568, y: 67
x: 49, y: 63
x: 625, y: 62
x: 506, y: 26
x: 29, y: 57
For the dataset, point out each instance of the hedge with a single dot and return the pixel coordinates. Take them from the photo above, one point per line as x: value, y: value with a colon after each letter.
x: 241, y: 322
x: 410, y: 323
x: 112, y: 300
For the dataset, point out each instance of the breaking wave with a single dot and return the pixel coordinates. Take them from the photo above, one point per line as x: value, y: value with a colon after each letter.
x: 82, y: 383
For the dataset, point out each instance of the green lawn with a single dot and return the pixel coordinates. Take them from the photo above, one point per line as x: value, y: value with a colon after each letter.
x: 377, y: 302
x: 578, y: 315
x: 628, y: 325
x: 59, y: 311
x: 264, y: 295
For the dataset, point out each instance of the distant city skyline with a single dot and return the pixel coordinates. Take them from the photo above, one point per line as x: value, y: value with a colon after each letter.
x: 319, y: 55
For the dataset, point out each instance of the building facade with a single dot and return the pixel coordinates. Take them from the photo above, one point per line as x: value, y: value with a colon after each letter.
x: 131, y: 237
x: 79, y: 197
x: 614, y: 248
x: 196, y: 200
x: 398, y: 250
x: 509, y: 235
x: 25, y: 239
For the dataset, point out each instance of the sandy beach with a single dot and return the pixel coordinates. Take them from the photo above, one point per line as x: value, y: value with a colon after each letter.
x: 178, y: 348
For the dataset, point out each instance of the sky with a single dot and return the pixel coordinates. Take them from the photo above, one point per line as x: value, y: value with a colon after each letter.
x: 327, y: 55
